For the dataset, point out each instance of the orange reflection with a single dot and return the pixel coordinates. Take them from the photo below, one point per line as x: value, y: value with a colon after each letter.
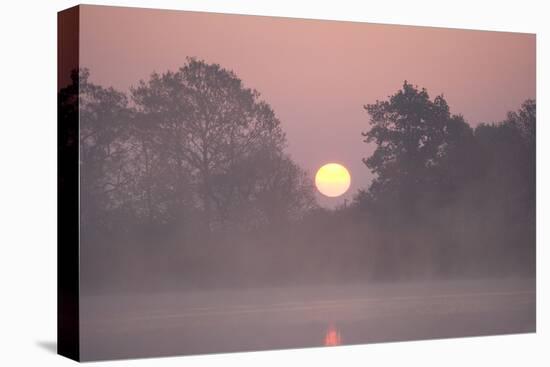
x: 332, y: 337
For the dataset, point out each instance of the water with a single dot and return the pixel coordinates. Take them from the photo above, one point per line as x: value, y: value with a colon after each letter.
x: 172, y: 323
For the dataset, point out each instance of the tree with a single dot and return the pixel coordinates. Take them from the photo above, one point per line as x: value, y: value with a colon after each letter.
x: 104, y: 136
x: 415, y: 139
x: 215, y: 132
x: 270, y: 190
x: 507, y: 191
x: 166, y: 178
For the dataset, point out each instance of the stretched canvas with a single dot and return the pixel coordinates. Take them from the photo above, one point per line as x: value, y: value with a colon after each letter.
x: 239, y: 183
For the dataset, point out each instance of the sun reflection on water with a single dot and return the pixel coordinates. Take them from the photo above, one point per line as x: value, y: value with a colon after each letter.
x: 332, y: 337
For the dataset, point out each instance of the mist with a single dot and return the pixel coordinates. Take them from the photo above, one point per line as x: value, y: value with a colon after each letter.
x: 200, y: 232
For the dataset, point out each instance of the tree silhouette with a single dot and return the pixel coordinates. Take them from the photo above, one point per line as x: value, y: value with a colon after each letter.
x: 215, y: 131
x: 189, y: 177
x: 414, y: 137
x: 507, y: 189
x: 104, y: 132
x: 452, y: 199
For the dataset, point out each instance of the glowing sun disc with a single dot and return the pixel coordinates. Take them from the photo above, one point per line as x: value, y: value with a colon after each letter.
x: 332, y: 180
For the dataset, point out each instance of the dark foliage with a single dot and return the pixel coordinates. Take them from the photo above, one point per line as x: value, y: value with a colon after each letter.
x: 185, y: 182
x: 462, y: 200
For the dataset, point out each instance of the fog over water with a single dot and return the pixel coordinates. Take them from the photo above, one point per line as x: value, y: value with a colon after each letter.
x: 297, y: 317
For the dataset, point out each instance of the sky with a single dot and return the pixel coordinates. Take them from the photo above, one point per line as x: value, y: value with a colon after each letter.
x: 316, y: 74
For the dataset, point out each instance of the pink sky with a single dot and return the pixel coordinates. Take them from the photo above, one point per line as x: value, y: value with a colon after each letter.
x: 317, y: 74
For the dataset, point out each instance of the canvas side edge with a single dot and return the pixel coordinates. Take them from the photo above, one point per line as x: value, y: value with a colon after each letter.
x: 68, y: 263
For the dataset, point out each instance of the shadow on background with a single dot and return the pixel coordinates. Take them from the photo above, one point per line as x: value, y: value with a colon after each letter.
x: 50, y: 346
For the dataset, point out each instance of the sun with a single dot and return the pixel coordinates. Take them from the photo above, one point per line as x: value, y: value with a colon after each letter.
x: 332, y: 180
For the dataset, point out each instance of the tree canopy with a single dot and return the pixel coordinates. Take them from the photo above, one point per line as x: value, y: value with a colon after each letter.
x: 194, y: 147
x: 189, y: 170
x: 415, y: 140
x: 459, y: 196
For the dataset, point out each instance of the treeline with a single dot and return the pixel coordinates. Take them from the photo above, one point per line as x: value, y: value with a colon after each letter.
x: 187, y: 148
x: 178, y: 169
x: 449, y: 199
x: 185, y: 182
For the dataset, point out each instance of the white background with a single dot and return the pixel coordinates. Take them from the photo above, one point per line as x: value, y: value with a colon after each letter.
x: 28, y: 183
